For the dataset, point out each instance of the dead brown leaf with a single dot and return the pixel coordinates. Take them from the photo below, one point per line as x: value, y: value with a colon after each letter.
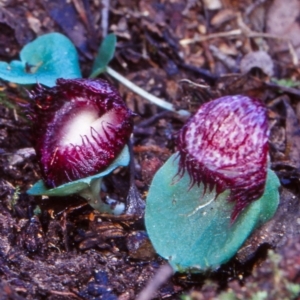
x: 282, y: 21
x: 257, y: 59
x: 223, y: 16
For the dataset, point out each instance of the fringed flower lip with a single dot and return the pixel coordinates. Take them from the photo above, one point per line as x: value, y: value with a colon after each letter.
x: 225, y: 145
x: 79, y: 127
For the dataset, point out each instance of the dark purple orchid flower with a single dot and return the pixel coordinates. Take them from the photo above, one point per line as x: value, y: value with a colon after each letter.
x: 225, y: 145
x: 79, y: 127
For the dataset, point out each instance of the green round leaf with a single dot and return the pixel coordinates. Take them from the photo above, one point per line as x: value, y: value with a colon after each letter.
x: 191, y: 229
x: 105, y: 53
x: 77, y: 186
x: 47, y: 58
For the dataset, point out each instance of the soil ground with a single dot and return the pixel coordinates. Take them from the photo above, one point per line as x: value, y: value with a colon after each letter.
x: 187, y: 52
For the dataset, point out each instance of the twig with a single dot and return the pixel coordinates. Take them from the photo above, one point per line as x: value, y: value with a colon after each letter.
x: 65, y: 294
x: 234, y: 32
x: 201, y: 86
x: 226, y: 59
x: 202, y: 38
x: 253, y: 6
x: 81, y: 11
x: 162, y: 275
x: 254, y: 34
x: 104, y: 17
x: 294, y: 54
x: 204, y: 73
x: 160, y: 102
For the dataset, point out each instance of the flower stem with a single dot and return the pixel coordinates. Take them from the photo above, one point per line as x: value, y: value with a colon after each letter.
x: 92, y: 195
x: 160, y: 102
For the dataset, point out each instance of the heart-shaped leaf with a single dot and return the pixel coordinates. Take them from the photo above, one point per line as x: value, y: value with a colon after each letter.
x: 191, y: 228
x: 47, y: 58
x: 77, y: 186
x: 105, y: 54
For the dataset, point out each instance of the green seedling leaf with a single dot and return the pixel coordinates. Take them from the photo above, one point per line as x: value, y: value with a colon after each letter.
x: 80, y: 185
x: 47, y: 58
x: 191, y: 229
x: 287, y: 82
x: 105, y: 54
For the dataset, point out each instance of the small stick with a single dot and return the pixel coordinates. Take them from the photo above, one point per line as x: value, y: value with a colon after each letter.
x: 160, y: 102
x: 202, y: 38
x: 104, y: 17
x: 234, y: 32
x: 162, y: 275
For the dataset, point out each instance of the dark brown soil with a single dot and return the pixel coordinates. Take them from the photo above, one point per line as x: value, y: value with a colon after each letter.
x: 59, y: 248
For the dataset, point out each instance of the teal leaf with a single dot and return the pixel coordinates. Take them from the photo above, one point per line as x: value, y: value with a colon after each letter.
x: 105, y: 54
x: 80, y: 185
x: 192, y: 229
x: 47, y: 58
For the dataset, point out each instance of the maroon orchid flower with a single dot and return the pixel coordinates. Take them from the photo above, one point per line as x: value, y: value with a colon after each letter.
x: 79, y: 127
x: 225, y: 145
